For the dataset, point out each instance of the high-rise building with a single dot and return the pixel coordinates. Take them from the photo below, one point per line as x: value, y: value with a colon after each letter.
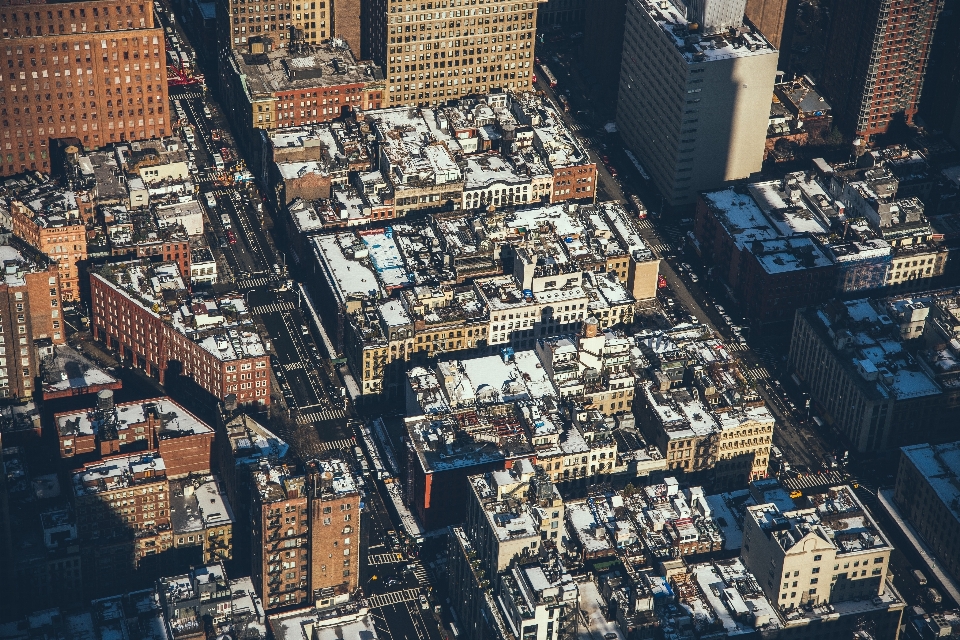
x: 875, y: 62
x: 280, y: 546
x: 29, y: 311
x: 307, y: 22
x: 458, y: 48
x: 770, y: 17
x: 694, y: 96
x: 603, y: 48
x: 305, y: 541
x: 95, y: 71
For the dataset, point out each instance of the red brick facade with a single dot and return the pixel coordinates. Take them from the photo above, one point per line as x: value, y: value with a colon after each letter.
x: 574, y: 183
x: 150, y: 343
x: 95, y: 71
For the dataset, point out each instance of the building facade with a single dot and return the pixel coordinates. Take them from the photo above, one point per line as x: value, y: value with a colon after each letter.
x: 131, y: 317
x: 29, y: 311
x: 121, y: 96
x: 454, y: 50
x: 876, y: 58
x: 926, y: 494
x: 693, y: 106
x: 334, y: 529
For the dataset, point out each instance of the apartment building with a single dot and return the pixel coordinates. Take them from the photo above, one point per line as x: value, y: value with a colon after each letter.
x: 694, y: 99
x: 431, y: 54
x: 122, y: 506
x: 123, y: 96
x: 271, y: 87
x: 50, y: 222
x: 145, y: 312
x: 825, y: 552
x: 280, y: 536
x: 29, y: 312
x: 201, y: 516
x: 876, y: 59
x: 334, y: 529
x: 287, y: 23
x: 159, y: 425
x: 875, y: 398
x: 699, y: 412
x: 510, y: 513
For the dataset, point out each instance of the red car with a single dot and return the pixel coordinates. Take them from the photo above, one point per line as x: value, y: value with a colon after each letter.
x: 231, y: 237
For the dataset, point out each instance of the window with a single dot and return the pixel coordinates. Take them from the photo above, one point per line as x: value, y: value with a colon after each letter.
x: 812, y: 592
x: 814, y: 580
x: 817, y: 558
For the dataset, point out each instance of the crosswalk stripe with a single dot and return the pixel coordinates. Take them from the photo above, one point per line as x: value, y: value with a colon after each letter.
x: 293, y: 366
x: 394, y: 597
x: 384, y: 558
x: 321, y: 415
x: 420, y: 572
x: 276, y: 307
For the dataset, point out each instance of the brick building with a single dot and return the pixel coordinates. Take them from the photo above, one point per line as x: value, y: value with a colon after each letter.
x: 875, y: 61
x: 159, y: 425
x: 122, y: 96
x: 280, y: 538
x: 334, y: 529
x: 56, y: 229
x: 144, y: 311
x: 123, y: 516
x: 274, y: 87
x: 29, y: 311
x: 242, y: 20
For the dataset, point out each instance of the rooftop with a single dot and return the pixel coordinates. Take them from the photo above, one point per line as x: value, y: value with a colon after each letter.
x: 698, y: 47
x: 197, y: 504
x: 221, y: 325
x: 118, y: 473
x: 173, y: 419
x: 940, y: 467
x: 837, y: 517
x: 281, y: 70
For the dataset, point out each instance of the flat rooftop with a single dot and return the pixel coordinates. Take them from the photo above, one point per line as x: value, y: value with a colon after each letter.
x: 174, y: 419
x: 197, y: 504
x: 940, y: 467
x: 699, y: 48
x: 221, y: 325
x: 316, y: 68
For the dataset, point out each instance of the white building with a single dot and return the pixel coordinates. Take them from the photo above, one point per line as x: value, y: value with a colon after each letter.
x: 694, y: 100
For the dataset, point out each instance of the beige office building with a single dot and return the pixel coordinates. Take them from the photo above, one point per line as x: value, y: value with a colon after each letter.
x: 828, y: 551
x: 434, y: 52
x: 693, y: 103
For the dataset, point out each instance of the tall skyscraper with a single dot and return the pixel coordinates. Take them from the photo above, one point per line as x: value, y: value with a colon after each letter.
x: 89, y: 70
x: 876, y: 58
x: 695, y: 87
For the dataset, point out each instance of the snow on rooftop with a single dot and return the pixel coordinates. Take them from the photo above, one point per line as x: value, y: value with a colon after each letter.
x: 386, y: 258
x: 349, y: 276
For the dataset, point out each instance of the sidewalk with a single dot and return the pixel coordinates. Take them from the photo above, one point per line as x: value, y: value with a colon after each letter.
x: 949, y: 584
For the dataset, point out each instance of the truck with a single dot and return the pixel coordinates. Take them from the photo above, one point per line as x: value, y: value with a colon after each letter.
x: 218, y: 161
x: 919, y: 577
x: 548, y: 75
x: 225, y: 220
x: 933, y: 596
x: 211, y: 202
